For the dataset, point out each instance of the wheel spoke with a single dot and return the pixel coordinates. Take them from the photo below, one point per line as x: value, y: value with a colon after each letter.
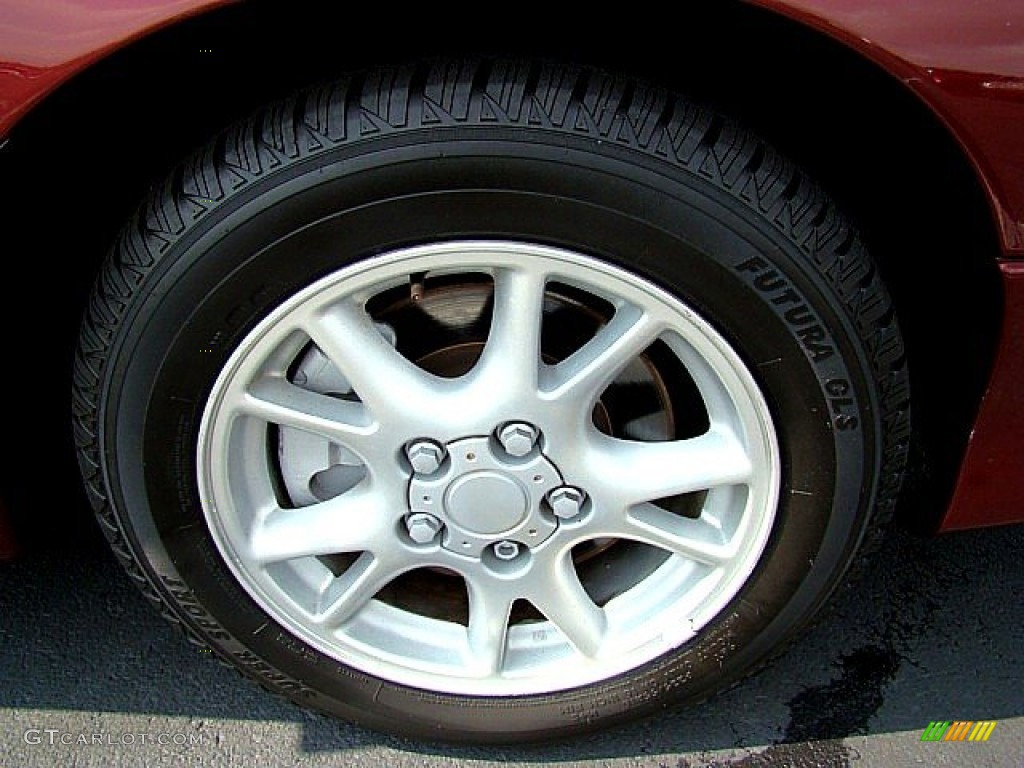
x: 693, y: 539
x: 511, y: 357
x: 380, y: 376
x: 488, y: 627
x: 636, y: 472
x: 560, y: 596
x: 350, y: 592
x: 353, y: 522
x: 277, y: 401
x: 583, y: 376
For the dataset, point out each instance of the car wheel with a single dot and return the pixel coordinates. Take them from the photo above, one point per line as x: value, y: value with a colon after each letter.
x: 490, y: 401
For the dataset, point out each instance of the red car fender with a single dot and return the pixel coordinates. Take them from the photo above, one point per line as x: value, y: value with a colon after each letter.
x: 44, y: 43
x: 964, y: 60
x: 991, y: 482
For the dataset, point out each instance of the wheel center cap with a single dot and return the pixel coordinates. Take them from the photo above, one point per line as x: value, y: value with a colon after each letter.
x: 486, y: 502
x: 483, y: 495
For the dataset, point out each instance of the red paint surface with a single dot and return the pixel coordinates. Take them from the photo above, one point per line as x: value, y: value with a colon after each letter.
x: 990, y: 489
x: 44, y: 42
x: 965, y: 59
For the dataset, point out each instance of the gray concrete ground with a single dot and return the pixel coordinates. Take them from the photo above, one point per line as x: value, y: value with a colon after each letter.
x: 936, y: 632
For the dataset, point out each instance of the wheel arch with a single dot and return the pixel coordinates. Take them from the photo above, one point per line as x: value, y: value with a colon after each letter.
x: 919, y: 200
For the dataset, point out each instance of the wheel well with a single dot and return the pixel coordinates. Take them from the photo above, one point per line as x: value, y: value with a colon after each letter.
x: 79, y: 164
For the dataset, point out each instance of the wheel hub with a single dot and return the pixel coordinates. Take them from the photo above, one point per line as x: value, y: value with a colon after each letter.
x: 487, y: 503
x: 483, y: 495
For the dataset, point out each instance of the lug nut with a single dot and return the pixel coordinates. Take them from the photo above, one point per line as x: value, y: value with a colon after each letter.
x: 422, y: 527
x: 425, y: 456
x: 566, y: 502
x: 506, y: 550
x: 518, y: 438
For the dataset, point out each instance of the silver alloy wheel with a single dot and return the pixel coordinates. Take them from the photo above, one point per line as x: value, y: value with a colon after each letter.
x: 282, y: 546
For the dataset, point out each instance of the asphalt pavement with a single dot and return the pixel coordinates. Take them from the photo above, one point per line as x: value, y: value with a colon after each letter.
x: 91, y: 675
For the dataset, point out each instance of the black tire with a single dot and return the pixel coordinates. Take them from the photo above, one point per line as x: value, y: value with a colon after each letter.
x: 566, y: 158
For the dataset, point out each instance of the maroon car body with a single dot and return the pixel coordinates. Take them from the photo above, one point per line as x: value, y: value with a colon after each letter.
x: 965, y: 62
